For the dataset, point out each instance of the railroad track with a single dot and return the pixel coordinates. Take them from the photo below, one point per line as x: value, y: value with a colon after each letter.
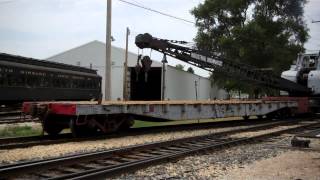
x: 22, y: 142
x: 14, y: 120
x: 11, y: 115
x: 101, y: 164
x: 15, y: 116
x: 8, y: 113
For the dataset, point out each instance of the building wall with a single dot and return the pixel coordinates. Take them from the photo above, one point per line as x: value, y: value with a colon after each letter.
x: 118, y: 59
x: 180, y: 84
x: 184, y: 85
x: 95, y: 53
x: 91, y: 53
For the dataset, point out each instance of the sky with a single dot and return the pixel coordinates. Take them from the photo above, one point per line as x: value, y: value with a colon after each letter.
x: 43, y: 28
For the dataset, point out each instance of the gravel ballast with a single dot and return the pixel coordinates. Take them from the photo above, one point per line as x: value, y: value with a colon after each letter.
x: 47, y: 151
x: 265, y: 161
x: 289, y: 165
x: 257, y: 133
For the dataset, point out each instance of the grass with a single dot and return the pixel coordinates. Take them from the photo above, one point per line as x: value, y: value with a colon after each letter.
x: 17, y: 131
x: 25, y: 130
x: 139, y: 123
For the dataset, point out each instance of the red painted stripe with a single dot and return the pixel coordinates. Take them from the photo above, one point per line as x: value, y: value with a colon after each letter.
x: 62, y: 109
x: 54, y: 108
x: 26, y: 107
x: 303, y: 102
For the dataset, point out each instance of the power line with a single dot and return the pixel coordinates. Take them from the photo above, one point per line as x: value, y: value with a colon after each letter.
x: 156, y: 11
x: 6, y: 2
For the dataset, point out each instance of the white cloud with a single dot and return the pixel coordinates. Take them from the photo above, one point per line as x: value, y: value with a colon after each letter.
x: 41, y: 28
x: 312, y: 13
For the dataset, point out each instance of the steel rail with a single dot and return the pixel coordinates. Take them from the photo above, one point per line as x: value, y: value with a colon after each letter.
x: 23, y: 142
x: 15, y: 120
x: 123, y: 168
x: 6, y: 113
x: 111, y: 162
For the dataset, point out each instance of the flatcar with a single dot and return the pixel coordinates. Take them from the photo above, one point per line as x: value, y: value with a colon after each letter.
x: 27, y: 79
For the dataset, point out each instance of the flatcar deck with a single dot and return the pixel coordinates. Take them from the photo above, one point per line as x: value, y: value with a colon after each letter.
x: 110, y: 116
x: 152, y: 102
x: 173, y: 110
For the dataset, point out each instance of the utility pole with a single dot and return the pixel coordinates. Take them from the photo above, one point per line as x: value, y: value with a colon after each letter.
x: 196, y: 88
x: 163, y: 78
x: 108, y: 53
x: 125, y: 68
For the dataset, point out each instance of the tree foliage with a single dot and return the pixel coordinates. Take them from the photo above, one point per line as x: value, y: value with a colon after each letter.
x: 190, y: 70
x: 180, y: 67
x: 262, y: 33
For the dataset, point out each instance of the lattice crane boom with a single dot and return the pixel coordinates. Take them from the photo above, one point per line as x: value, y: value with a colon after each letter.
x: 218, y: 64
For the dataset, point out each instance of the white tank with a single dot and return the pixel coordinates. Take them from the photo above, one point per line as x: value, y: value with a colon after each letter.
x: 304, y: 63
x: 314, y: 82
x: 290, y: 75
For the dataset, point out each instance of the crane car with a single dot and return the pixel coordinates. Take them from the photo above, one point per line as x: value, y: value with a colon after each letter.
x: 110, y: 116
x: 301, y: 83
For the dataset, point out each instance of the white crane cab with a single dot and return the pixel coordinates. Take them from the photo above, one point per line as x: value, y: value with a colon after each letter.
x: 305, y: 71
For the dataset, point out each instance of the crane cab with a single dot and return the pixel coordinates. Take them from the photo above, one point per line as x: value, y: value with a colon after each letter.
x: 305, y: 71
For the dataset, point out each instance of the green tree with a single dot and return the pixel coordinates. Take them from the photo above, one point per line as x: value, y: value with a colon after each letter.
x: 180, y: 67
x: 262, y: 33
x: 190, y: 70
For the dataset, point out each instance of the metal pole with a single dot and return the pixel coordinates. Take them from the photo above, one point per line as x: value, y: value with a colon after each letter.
x: 163, y: 79
x: 163, y: 95
x: 196, y: 88
x: 125, y: 68
x: 108, y: 53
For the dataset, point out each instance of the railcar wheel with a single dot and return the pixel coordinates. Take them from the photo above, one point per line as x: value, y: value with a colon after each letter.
x: 245, y: 117
x: 81, y: 130
x: 50, y: 127
x: 76, y: 130
x: 53, y: 131
x: 127, y: 123
x: 270, y: 116
x: 260, y: 116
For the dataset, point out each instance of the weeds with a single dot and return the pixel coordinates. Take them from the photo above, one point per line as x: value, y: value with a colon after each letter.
x: 16, y: 131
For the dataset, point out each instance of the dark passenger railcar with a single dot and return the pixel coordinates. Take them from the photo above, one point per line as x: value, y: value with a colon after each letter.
x: 26, y: 79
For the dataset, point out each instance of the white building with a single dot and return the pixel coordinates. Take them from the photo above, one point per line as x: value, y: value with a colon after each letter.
x: 180, y: 85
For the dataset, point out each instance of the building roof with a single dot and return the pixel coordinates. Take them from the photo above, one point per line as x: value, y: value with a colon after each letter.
x: 99, y: 44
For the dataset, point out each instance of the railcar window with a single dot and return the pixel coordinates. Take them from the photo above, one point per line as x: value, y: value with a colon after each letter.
x: 79, y: 84
x: 9, y: 80
x: 5, y: 80
x: 89, y: 83
x: 74, y: 84
x: 65, y: 83
x: 94, y: 84
x: 17, y: 81
x: 35, y: 81
x: 29, y: 81
x: 23, y: 80
x: 43, y: 82
x: 1, y: 80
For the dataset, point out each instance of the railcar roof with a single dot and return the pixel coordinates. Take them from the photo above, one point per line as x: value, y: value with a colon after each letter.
x: 169, y: 102
x: 37, y: 62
